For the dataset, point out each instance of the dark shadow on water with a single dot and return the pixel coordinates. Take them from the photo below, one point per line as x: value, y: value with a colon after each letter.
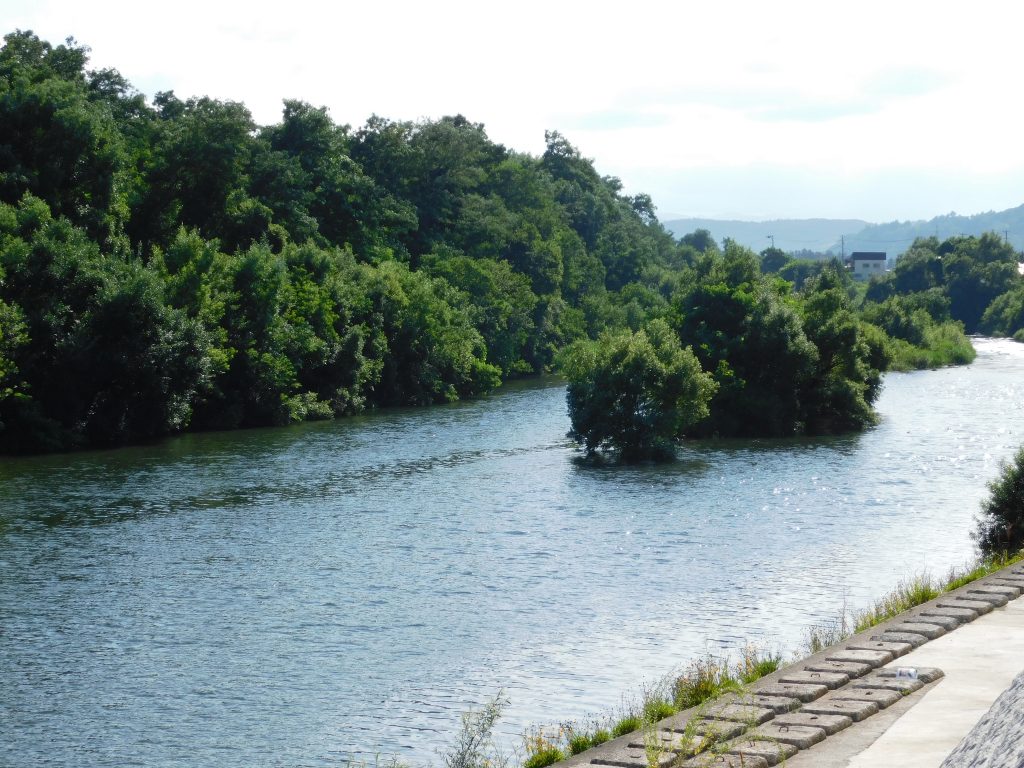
x: 645, y: 471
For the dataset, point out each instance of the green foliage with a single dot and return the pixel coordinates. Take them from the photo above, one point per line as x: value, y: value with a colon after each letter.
x: 635, y: 393
x: 973, y: 280
x: 267, y: 274
x: 600, y: 736
x: 626, y: 724
x: 907, y: 594
x: 1005, y: 315
x: 544, y: 758
x: 702, y: 680
x: 986, y: 565
x: 658, y: 709
x: 474, y: 745
x: 171, y: 265
x: 581, y: 743
x: 1001, y: 524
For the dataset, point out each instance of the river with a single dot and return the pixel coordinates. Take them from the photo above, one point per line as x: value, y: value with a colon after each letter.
x: 291, y: 597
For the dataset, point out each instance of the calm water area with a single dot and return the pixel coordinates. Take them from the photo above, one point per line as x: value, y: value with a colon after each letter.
x: 291, y: 597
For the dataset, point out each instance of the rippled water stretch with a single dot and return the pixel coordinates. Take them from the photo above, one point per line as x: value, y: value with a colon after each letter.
x: 288, y: 597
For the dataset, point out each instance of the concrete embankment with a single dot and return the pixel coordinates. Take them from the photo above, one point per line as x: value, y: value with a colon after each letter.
x: 902, y: 693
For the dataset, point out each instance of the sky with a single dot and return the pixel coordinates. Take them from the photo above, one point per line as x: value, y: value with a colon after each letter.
x: 728, y: 109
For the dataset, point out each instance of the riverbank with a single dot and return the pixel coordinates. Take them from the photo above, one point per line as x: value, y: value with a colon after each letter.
x: 809, y: 703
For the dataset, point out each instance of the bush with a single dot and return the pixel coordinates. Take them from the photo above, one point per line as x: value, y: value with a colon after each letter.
x: 1001, y: 525
x: 635, y: 393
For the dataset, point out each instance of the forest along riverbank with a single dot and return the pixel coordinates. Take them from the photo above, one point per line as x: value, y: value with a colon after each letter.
x: 299, y: 594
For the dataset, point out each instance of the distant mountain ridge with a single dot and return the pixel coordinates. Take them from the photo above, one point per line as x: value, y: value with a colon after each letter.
x: 895, y: 237
x: 847, y: 235
x: 789, y: 234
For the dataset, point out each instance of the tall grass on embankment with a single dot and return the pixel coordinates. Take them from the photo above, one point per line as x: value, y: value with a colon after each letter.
x: 944, y: 344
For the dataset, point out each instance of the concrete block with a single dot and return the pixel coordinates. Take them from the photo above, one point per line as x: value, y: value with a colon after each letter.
x: 804, y: 693
x: 963, y: 614
x: 913, y: 638
x: 1010, y: 591
x: 931, y: 631
x: 896, y: 649
x: 828, y: 723
x: 924, y: 674
x: 830, y: 680
x: 876, y: 657
x: 800, y: 736
x: 998, y: 599
x: 946, y: 622
x: 882, y: 696
x: 740, y: 713
x: 665, y: 741
x: 719, y: 730
x: 777, y: 704
x: 630, y: 757
x: 855, y: 710
x: 1010, y: 581
x: 725, y: 761
x: 772, y: 752
x: 852, y: 668
x: 980, y: 606
x: 902, y: 685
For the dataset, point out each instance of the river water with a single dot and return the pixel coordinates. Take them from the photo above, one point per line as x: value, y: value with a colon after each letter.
x: 291, y: 597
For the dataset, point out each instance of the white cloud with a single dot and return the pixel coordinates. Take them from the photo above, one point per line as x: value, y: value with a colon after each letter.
x: 653, y: 91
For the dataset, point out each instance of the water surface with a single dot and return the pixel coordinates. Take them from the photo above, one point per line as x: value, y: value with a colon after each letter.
x: 288, y: 597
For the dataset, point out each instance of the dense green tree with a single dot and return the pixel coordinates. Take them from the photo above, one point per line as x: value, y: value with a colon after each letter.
x: 501, y: 305
x: 1001, y: 524
x: 1005, y: 315
x: 183, y: 267
x: 56, y: 142
x: 773, y: 259
x: 635, y: 393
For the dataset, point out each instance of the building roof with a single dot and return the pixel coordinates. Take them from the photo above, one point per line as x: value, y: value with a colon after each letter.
x: 867, y: 256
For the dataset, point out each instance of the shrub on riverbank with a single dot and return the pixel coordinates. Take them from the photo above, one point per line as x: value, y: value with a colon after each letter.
x: 1001, y: 525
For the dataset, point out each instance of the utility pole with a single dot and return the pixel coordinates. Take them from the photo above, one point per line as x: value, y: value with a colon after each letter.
x: 772, y: 238
x: 1006, y: 236
x: 842, y: 239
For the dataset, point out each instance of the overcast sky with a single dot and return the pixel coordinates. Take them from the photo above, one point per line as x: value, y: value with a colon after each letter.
x: 751, y: 110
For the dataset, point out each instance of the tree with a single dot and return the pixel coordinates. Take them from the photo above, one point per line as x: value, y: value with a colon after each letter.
x: 773, y: 259
x: 635, y: 393
x: 1001, y: 525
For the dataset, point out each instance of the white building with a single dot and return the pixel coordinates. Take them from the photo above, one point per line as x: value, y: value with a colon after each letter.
x: 864, y: 264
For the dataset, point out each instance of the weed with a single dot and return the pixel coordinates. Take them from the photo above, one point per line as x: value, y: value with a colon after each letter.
x: 625, y: 725
x: 581, y: 743
x: 600, y: 736
x: 907, y: 594
x: 704, y: 679
x: 958, y: 577
x: 755, y: 664
x: 543, y: 750
x: 822, y: 636
x: 474, y: 747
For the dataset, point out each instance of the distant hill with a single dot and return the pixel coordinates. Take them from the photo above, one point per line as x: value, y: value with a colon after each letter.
x: 895, y: 237
x: 790, y: 234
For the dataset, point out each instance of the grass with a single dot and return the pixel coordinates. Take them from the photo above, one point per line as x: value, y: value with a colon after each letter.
x: 697, y: 686
x: 944, y: 344
x: 922, y: 588
x: 907, y: 594
x: 700, y: 683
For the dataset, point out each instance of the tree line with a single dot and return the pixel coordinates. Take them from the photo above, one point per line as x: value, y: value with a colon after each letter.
x: 169, y: 264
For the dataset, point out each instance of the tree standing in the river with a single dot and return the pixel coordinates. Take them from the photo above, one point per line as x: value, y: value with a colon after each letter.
x: 636, y: 393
